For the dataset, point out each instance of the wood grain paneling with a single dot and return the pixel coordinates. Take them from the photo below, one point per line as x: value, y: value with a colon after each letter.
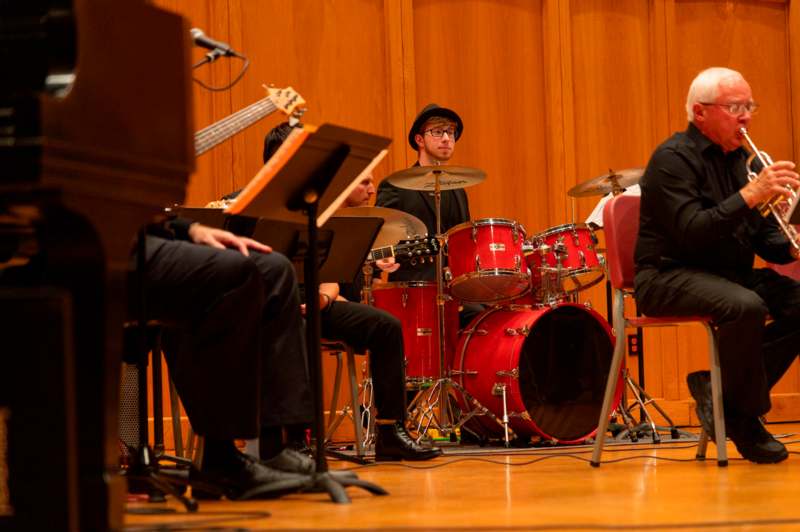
x: 552, y: 92
x: 485, y: 61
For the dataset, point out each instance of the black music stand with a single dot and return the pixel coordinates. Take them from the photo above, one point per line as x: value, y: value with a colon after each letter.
x: 313, y: 172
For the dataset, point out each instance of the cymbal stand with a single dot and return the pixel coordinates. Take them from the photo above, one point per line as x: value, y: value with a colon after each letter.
x: 439, y: 394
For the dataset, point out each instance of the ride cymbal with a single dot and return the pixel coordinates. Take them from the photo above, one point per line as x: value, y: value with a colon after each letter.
x: 614, y: 181
x: 397, y: 225
x: 424, y: 177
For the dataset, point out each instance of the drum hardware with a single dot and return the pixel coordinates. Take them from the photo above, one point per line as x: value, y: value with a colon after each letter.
x: 521, y: 331
x: 436, y: 178
x: 465, y: 372
x: 477, y: 263
x: 612, y: 182
x: 424, y: 332
x: 514, y: 373
x: 477, y: 332
x: 500, y: 389
x: 641, y: 399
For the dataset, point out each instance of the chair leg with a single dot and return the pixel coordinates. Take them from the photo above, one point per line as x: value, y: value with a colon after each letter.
x: 351, y: 369
x: 702, y: 445
x: 177, y: 430
x: 332, y: 416
x: 613, y: 378
x: 716, y: 395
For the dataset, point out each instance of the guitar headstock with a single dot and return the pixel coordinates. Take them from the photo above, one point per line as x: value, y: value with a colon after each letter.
x: 287, y: 100
x: 416, y: 249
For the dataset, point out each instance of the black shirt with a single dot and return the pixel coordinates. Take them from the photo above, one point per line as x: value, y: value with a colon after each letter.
x: 693, y: 215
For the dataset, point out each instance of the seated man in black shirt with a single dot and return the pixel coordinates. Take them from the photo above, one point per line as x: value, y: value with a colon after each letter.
x: 699, y: 232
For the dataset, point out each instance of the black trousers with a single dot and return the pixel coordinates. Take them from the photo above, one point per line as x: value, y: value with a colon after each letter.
x: 753, y: 356
x: 238, y: 359
x: 365, y: 327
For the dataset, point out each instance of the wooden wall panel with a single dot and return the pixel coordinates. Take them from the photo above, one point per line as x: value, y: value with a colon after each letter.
x: 209, y: 179
x: 332, y: 52
x: 751, y: 37
x: 552, y: 92
x: 485, y: 61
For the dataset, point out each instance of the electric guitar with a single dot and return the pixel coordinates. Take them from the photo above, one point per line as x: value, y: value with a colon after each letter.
x: 286, y: 100
x: 411, y: 250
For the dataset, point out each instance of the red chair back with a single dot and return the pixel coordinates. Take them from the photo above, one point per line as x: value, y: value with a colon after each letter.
x: 789, y: 270
x: 621, y: 227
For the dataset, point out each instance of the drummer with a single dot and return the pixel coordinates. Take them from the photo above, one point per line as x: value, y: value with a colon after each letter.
x: 433, y: 135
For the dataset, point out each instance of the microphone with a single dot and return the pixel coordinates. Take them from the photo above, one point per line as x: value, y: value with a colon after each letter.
x: 203, y: 40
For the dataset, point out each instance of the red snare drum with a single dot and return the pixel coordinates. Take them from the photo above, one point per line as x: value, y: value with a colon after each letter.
x: 574, y: 247
x: 414, y: 304
x: 486, y: 261
x: 553, y: 361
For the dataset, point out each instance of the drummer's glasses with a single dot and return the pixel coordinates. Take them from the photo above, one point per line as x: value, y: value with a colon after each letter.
x: 736, y: 108
x: 439, y: 132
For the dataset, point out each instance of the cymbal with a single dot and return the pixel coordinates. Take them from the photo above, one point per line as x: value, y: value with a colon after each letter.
x: 397, y: 225
x: 613, y: 181
x: 423, y: 177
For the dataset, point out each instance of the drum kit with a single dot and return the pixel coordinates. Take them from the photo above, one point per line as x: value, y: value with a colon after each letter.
x: 534, y: 362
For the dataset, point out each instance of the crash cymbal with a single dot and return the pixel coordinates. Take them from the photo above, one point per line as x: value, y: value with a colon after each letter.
x: 423, y: 177
x: 614, y: 181
x: 397, y: 225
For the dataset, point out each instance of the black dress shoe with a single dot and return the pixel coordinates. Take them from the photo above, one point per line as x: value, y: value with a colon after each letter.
x: 700, y: 387
x: 245, y: 478
x: 394, y: 443
x: 292, y: 461
x: 754, y: 442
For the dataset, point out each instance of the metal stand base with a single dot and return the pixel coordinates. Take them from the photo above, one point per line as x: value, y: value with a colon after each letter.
x: 646, y: 425
x: 432, y: 408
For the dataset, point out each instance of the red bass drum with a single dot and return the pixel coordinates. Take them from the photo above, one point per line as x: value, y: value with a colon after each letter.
x: 553, y: 361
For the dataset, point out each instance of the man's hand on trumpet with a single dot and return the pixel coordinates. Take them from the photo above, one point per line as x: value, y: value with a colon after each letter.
x: 770, y: 182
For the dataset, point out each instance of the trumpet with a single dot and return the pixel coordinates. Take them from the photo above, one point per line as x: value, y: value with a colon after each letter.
x: 781, y: 205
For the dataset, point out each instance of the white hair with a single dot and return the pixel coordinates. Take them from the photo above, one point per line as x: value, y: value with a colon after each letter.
x: 705, y: 87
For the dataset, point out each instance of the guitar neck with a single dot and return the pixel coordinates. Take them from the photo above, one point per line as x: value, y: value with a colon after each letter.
x: 219, y: 132
x: 380, y: 253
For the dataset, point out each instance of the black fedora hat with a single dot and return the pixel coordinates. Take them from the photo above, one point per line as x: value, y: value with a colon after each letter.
x: 429, y: 111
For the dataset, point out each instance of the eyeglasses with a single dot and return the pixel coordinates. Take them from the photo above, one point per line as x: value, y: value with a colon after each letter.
x: 438, y: 132
x: 736, y: 108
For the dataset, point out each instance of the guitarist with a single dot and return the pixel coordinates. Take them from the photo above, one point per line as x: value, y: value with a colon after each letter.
x: 365, y: 328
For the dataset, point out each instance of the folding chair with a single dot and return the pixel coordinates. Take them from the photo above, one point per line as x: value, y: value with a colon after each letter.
x: 621, y: 226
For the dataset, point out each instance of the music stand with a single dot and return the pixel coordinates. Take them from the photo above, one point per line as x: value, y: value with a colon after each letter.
x: 313, y: 171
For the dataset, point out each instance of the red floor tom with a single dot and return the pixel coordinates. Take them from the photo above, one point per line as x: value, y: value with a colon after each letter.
x: 414, y: 304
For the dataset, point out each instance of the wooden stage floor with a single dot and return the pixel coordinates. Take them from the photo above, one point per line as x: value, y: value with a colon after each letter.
x: 638, y: 487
